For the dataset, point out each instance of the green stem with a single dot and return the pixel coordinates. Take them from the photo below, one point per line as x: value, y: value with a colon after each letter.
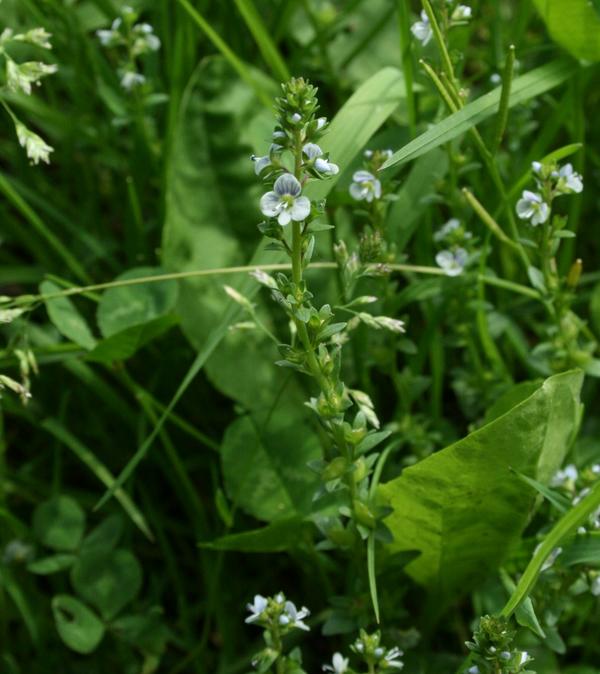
x: 407, y: 64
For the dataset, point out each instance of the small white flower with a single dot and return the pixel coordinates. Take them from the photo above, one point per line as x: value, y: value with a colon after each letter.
x: 107, y: 37
x: 36, y: 147
x: 365, y: 187
x: 569, y: 181
x: 256, y: 608
x: 132, y: 80
x: 582, y: 494
x: 296, y: 117
x: 462, y: 13
x: 422, y: 29
x: 314, y: 153
x: 496, y: 79
x: 279, y: 134
x: 452, y: 262
x: 473, y: 670
x: 392, y: 658
x: 260, y: 163
x: 563, y: 477
x: 391, y: 324
x: 339, y: 664
x: 321, y: 123
x: 116, y: 24
x: 595, y: 587
x: 532, y: 207
x: 145, y: 28
x: 285, y: 202
x: 294, y: 617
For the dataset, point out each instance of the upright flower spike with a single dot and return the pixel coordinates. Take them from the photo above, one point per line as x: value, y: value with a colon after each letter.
x: 422, y: 29
x: 365, y: 186
x: 284, y: 201
x: 532, y: 207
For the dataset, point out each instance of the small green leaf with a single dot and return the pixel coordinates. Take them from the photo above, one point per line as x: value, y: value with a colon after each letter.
x: 105, y: 536
x: 65, y: 317
x: 59, y: 523
x: 108, y: 580
x: 278, y: 536
x: 78, y: 626
x: 52, y: 564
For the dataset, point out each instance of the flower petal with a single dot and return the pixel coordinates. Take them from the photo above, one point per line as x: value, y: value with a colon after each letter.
x: 287, y: 184
x: 270, y: 204
x: 301, y: 209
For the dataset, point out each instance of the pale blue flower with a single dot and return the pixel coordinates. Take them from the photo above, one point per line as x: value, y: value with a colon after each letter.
x: 452, y: 262
x: 422, y: 29
x: 532, y: 207
x: 314, y: 153
x: 296, y: 117
x: 365, y: 186
x: 285, y: 202
x: 564, y: 476
x: 256, y: 608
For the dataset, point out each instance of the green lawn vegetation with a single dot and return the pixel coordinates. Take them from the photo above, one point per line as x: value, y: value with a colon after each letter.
x: 300, y: 323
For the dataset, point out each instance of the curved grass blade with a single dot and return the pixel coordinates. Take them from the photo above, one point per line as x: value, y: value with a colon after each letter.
x: 524, y: 88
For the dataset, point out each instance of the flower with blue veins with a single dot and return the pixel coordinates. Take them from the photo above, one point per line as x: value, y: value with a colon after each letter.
x: 452, y: 261
x: 314, y: 154
x: 260, y: 163
x: 365, y: 187
x: 569, y: 181
x: 284, y: 201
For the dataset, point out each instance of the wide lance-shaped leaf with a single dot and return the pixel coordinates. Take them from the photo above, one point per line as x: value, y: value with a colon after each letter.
x: 523, y: 88
x: 265, y: 469
x: 65, y: 317
x: 462, y: 507
x: 278, y: 536
x: 125, y: 306
x: 574, y: 24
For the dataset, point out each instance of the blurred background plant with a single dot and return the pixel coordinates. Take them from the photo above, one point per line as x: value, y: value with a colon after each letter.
x: 148, y: 113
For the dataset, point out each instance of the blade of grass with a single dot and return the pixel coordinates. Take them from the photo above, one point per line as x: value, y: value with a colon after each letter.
x: 524, y: 88
x: 262, y: 38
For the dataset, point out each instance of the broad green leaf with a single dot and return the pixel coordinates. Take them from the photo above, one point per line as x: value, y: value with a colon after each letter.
x: 65, y: 317
x: 278, y: 536
x: 462, y: 508
x: 515, y: 395
x: 127, y: 306
x: 523, y: 88
x: 108, y: 580
x: 78, y: 626
x: 48, y: 565
x: 146, y: 631
x: 266, y: 470
x: 574, y: 24
x: 59, y: 523
x: 105, y: 536
x: 122, y: 345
